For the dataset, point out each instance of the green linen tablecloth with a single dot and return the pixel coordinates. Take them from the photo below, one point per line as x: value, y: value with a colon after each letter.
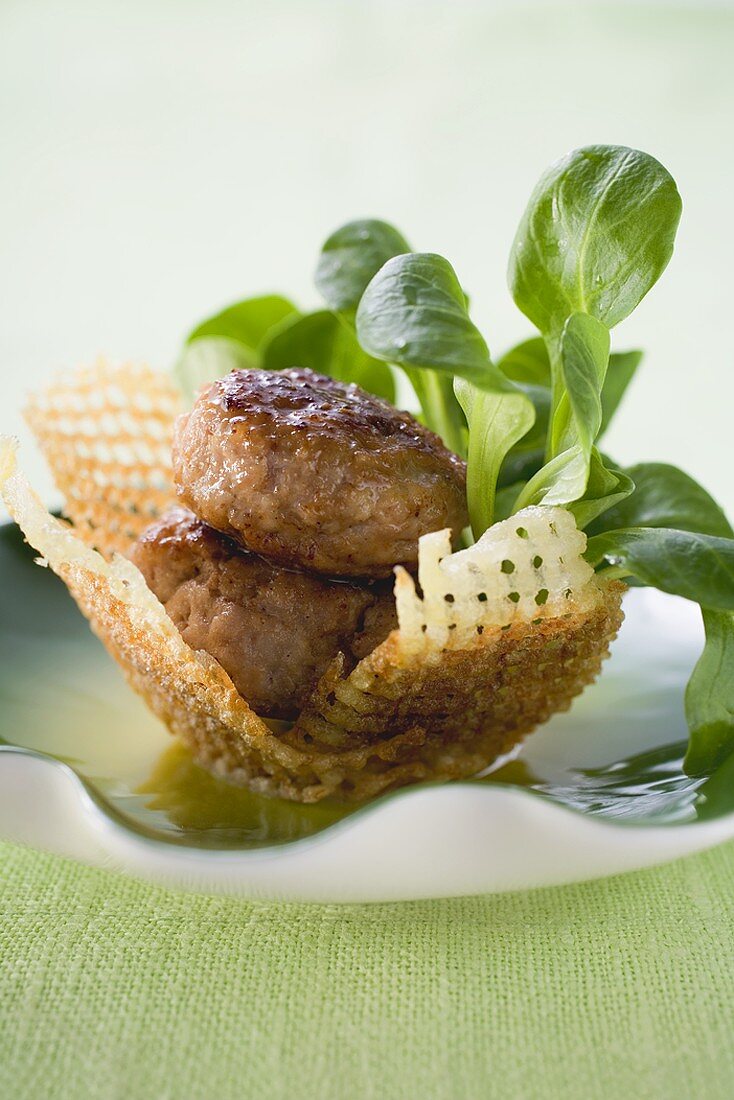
x: 618, y: 988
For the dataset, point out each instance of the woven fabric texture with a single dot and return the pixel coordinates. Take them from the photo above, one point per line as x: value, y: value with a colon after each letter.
x: 615, y: 989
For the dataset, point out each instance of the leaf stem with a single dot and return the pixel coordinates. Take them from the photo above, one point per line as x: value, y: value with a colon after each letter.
x: 441, y: 411
x: 553, y: 344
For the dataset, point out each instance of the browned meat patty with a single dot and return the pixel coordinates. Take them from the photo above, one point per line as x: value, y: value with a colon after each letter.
x: 315, y: 473
x: 273, y: 630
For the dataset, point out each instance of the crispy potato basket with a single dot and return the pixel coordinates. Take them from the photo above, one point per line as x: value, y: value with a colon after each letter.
x: 491, y: 642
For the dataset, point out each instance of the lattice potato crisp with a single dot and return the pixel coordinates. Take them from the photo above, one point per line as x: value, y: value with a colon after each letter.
x: 479, y: 658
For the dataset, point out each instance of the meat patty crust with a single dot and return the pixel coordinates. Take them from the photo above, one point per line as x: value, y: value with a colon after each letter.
x: 315, y: 473
x: 273, y: 630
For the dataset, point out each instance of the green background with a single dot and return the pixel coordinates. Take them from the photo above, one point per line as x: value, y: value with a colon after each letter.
x: 615, y: 989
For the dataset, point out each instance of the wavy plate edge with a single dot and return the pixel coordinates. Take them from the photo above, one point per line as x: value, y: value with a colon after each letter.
x: 432, y: 842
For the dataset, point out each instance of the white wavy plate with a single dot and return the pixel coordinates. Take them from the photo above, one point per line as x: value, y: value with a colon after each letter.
x: 615, y: 798
x: 436, y: 842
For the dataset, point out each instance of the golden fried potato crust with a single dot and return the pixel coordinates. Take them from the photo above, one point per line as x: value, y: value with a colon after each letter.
x: 106, y: 434
x: 481, y: 655
x: 387, y: 725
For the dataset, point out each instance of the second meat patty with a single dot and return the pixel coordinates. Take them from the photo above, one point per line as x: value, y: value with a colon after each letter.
x: 273, y: 630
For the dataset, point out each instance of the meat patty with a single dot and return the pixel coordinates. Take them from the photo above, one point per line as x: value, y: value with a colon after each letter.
x: 315, y: 473
x: 272, y: 629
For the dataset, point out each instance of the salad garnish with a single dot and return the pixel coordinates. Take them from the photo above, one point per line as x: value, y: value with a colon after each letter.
x: 597, y: 234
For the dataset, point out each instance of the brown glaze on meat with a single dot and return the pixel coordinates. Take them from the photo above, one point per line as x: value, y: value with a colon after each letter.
x: 315, y: 473
x: 273, y: 630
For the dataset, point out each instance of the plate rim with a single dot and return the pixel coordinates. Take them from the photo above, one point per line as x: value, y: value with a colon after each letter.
x: 109, y: 814
x: 404, y: 853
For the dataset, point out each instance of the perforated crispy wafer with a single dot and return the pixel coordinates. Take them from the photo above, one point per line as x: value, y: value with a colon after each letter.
x: 106, y: 434
x: 500, y: 636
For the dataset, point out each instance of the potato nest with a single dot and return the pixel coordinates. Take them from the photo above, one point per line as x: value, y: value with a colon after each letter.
x: 491, y: 642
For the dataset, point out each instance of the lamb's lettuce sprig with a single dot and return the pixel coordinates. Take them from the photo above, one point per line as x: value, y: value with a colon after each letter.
x: 350, y: 259
x: 689, y: 542
x: 597, y: 234
x: 414, y: 313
